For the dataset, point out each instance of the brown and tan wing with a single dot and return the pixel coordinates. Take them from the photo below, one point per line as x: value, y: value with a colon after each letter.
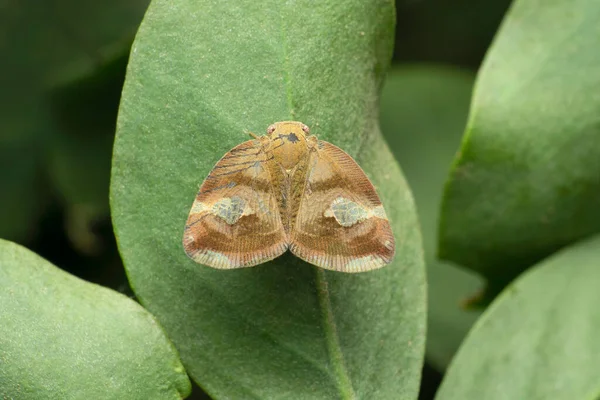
x: 234, y: 221
x: 341, y: 224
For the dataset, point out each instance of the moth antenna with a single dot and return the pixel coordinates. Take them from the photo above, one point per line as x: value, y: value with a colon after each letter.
x: 253, y: 135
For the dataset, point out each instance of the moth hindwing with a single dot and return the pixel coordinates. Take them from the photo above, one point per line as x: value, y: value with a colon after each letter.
x: 288, y: 190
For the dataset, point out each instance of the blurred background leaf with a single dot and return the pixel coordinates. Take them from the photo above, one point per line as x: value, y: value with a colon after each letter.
x: 84, y: 110
x: 454, y: 32
x: 423, y: 113
x: 56, y: 126
x: 64, y: 338
x: 62, y: 69
x: 527, y: 181
x: 23, y: 195
x: 539, y: 339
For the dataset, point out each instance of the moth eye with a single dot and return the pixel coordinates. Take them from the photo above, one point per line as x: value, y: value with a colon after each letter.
x: 271, y: 129
x: 305, y: 129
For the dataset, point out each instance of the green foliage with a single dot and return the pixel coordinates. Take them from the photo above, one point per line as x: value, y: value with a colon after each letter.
x: 526, y: 181
x: 285, y: 329
x: 530, y: 344
x: 457, y: 32
x: 423, y: 114
x: 19, y: 209
x: 524, y: 184
x: 56, y: 126
x: 63, y: 338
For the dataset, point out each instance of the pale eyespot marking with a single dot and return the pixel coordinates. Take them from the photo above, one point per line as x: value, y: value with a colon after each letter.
x: 231, y: 209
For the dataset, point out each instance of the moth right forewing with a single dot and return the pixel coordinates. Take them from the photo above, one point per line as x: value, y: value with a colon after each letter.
x: 341, y: 224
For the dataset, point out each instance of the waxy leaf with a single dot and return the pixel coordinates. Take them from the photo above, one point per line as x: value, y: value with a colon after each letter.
x: 423, y: 113
x: 201, y: 75
x: 539, y: 339
x: 64, y: 338
x: 526, y: 180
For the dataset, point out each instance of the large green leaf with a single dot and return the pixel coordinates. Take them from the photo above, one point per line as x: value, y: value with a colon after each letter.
x: 423, y: 113
x: 200, y: 75
x: 64, y: 338
x: 539, y: 339
x: 526, y: 181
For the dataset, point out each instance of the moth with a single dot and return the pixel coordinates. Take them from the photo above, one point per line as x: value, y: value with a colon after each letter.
x: 287, y: 190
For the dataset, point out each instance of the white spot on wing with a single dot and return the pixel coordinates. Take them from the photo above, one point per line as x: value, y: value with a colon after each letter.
x: 198, y: 207
x: 363, y: 263
x: 379, y: 212
x: 213, y: 259
x: 347, y: 212
x: 189, y: 239
x: 231, y: 209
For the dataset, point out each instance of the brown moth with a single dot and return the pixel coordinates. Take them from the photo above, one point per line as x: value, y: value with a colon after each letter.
x: 288, y: 190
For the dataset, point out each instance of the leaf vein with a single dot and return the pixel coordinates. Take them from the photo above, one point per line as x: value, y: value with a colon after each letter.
x: 331, y: 334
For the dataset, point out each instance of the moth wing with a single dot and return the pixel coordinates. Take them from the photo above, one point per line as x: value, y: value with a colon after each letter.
x: 234, y: 221
x: 341, y: 224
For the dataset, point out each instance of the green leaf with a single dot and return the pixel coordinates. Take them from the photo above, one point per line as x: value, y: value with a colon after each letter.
x: 64, y: 338
x: 200, y: 75
x: 539, y: 338
x: 79, y: 33
x: 423, y: 114
x: 525, y: 182
x: 79, y: 155
x: 23, y: 198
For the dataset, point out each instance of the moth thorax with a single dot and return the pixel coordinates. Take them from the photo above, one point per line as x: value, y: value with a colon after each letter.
x: 289, y: 154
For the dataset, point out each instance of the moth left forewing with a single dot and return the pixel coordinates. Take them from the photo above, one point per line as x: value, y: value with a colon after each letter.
x: 234, y: 221
x: 341, y: 224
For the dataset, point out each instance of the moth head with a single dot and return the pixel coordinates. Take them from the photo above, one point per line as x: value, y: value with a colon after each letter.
x: 288, y: 142
x: 288, y: 129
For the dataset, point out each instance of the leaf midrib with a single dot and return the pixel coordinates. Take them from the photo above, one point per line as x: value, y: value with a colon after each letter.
x: 336, y: 355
